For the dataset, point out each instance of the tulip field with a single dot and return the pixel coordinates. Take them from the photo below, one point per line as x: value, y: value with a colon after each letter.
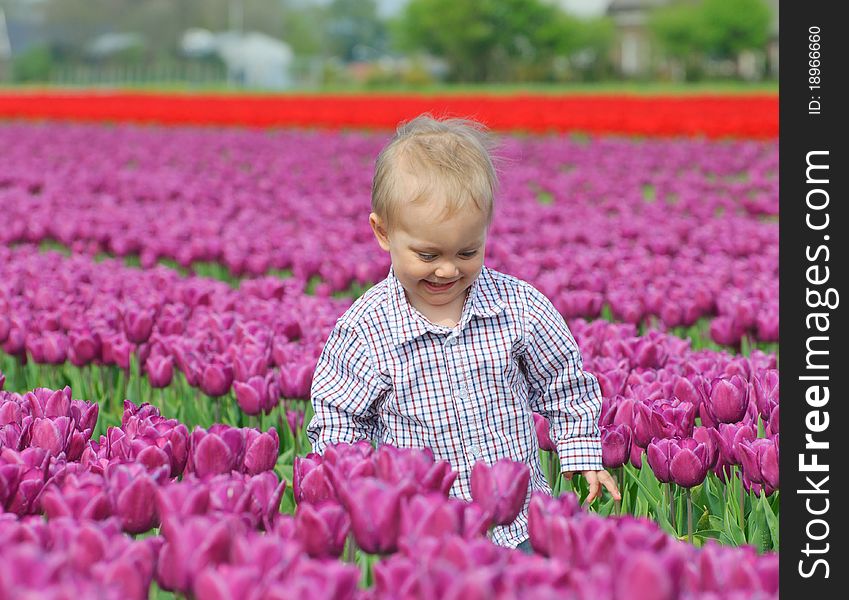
x: 166, y: 288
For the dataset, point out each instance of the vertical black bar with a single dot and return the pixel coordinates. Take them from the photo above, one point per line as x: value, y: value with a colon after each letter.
x: 812, y: 232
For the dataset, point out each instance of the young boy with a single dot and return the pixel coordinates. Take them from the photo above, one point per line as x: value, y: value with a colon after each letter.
x: 445, y: 353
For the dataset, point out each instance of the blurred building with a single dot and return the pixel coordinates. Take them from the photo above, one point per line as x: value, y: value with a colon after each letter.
x: 635, y: 53
x: 5, y: 49
x: 252, y: 59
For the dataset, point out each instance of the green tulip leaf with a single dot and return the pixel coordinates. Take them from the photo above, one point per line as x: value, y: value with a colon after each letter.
x: 771, y: 520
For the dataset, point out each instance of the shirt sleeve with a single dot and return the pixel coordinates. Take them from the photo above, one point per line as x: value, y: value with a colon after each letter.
x: 561, y: 391
x: 344, y: 393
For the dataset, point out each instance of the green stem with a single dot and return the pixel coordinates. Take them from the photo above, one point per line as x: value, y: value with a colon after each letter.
x: 551, y: 474
x: 689, y: 517
x: 672, y: 510
x: 351, y: 550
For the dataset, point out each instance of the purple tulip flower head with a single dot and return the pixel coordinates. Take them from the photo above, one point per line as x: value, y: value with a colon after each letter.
x: 689, y: 463
x: 251, y: 396
x: 729, y: 399
x: 659, y: 455
x: 216, y: 379
x: 730, y: 437
x: 375, y: 510
x: 160, y: 370
x: 138, y: 324
x: 322, y: 529
x: 615, y: 446
x: 310, y: 480
x: 765, y: 391
x: 430, y: 515
x: 760, y: 461
x: 134, y: 491
x: 543, y: 427
x: 261, y: 450
x: 502, y: 488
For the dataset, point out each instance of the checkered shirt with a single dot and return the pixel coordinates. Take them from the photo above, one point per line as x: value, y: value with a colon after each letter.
x: 468, y: 393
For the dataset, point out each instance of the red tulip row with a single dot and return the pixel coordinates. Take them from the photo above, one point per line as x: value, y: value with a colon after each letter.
x: 753, y: 115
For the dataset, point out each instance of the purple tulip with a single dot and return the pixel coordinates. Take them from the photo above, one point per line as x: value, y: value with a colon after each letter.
x: 543, y: 427
x: 216, y: 379
x: 295, y: 419
x: 549, y: 525
x: 501, y: 489
x: 191, y: 545
x: 772, y: 428
x: 115, y: 350
x: 648, y: 424
x: 729, y: 399
x: 414, y: 465
x: 682, y: 461
x: 216, y: 451
x: 182, y: 499
x: 51, y: 434
x: 251, y: 396
x: 730, y: 437
x: 322, y: 529
x: 138, y: 324
x: 767, y: 326
x: 710, y: 438
x: 375, y: 510
x: 760, y: 461
x: 765, y: 392
x: 84, y: 347
x: 689, y: 463
x: 726, y: 331
x: 476, y: 521
x: 679, y: 416
x: 430, y: 515
x: 659, y: 455
x: 225, y: 582
x: 82, y: 497
x: 642, y: 577
x: 615, y: 446
x: 133, y: 491
x: 310, y: 480
x: 160, y: 371
x: 261, y: 450
x: 636, y: 457
x: 265, y: 492
x: 44, y: 402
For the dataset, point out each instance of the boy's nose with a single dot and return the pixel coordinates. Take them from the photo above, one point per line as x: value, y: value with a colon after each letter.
x: 447, y: 270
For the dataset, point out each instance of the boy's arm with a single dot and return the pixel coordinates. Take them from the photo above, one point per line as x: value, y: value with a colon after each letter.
x: 345, y: 389
x: 568, y: 396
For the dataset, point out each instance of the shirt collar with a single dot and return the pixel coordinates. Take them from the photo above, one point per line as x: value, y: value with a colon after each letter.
x: 406, y: 323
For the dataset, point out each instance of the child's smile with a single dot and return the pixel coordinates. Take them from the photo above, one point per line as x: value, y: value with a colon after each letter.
x: 436, y: 258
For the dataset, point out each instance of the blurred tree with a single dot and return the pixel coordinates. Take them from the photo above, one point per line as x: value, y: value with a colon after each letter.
x: 303, y: 28
x: 718, y: 29
x: 495, y: 40
x: 354, y: 31
x: 680, y: 32
x: 732, y: 26
x: 32, y: 65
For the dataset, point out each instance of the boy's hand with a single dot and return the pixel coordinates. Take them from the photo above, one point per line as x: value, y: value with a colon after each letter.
x: 596, y: 479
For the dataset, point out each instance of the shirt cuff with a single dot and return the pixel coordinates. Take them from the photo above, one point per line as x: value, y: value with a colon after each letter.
x: 580, y: 453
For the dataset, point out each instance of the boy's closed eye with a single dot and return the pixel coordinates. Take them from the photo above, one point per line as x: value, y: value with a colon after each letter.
x: 429, y: 257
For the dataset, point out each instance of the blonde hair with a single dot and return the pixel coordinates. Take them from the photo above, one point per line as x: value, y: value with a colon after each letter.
x: 447, y: 158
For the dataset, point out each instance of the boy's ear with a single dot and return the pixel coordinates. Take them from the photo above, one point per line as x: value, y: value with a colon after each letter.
x: 379, y: 229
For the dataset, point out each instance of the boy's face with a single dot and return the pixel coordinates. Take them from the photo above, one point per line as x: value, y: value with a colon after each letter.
x: 435, y: 259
